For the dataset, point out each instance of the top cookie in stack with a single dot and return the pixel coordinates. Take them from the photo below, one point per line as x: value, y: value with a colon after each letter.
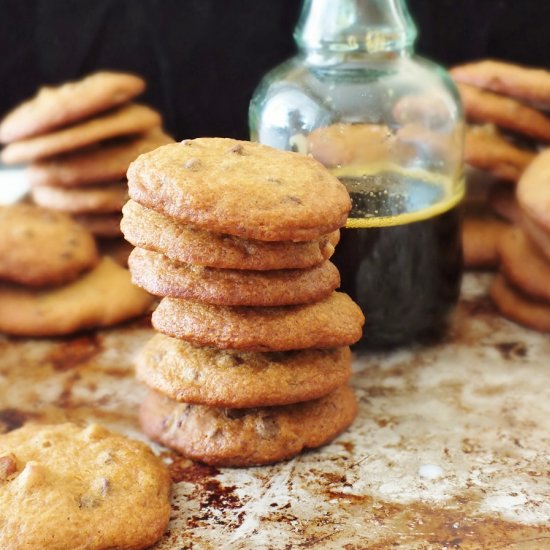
x: 252, y: 361
x: 80, y: 138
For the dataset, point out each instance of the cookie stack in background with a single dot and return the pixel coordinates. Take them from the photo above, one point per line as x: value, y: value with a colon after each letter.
x: 251, y: 362
x: 521, y: 290
x: 79, y: 139
x: 52, y: 279
x: 505, y: 105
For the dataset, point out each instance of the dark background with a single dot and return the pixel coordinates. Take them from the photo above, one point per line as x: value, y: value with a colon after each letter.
x: 203, y: 58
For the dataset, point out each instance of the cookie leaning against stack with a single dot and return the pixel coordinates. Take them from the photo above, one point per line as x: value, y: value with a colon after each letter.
x: 251, y: 362
x: 79, y: 139
x: 521, y: 291
x: 52, y: 280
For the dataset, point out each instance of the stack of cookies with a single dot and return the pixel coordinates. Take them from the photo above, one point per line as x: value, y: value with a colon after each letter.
x: 521, y: 290
x: 52, y: 279
x: 505, y: 105
x: 79, y: 139
x: 251, y: 362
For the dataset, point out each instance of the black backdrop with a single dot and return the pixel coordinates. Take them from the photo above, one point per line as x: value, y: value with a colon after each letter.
x: 203, y: 58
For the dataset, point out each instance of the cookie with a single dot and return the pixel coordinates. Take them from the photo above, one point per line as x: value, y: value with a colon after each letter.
x: 104, y: 162
x: 502, y: 201
x: 487, y: 107
x: 247, y: 437
x: 525, y: 83
x: 537, y: 234
x: 101, y: 199
x: 42, y: 248
x: 105, y: 226
x: 127, y: 120
x: 64, y: 486
x: 218, y: 378
x: 523, y: 265
x: 486, y: 149
x: 518, y: 307
x: 346, y: 144
x: 240, y: 188
x: 102, y: 297
x: 333, y: 322
x: 231, y: 287
x: 533, y: 190
x: 53, y: 107
x: 147, y: 229
x: 480, y: 237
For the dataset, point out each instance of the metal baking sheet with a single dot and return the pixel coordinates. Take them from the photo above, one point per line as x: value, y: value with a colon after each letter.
x: 450, y: 448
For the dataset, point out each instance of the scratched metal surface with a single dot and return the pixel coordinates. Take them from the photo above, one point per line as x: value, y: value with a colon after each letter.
x: 450, y: 448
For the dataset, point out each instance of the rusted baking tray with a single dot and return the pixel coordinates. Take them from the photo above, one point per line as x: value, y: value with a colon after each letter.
x: 450, y: 448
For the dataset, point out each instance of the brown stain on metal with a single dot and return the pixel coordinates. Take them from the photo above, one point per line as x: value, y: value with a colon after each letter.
x: 512, y: 350
x: 183, y: 469
x: 452, y: 527
x: 347, y: 445
x: 74, y: 353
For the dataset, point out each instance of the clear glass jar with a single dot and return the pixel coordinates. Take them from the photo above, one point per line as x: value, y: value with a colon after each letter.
x: 389, y: 125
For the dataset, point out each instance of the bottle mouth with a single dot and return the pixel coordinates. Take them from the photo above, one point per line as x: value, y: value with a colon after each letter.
x: 346, y: 26
x: 372, y: 42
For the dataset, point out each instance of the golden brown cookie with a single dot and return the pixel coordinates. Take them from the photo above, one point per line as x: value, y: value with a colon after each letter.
x: 104, y: 162
x: 103, y: 297
x: 518, y: 307
x: 127, y: 120
x: 41, y: 248
x: 487, y: 107
x: 219, y: 378
x: 53, y: 107
x: 533, y: 190
x: 480, y: 237
x: 105, y: 226
x: 334, y: 322
x: 524, y: 83
x: 247, y: 437
x: 100, y: 199
x: 486, y: 149
x: 502, y: 201
x: 240, y: 188
x: 231, y: 287
x: 351, y: 144
x: 147, y: 229
x: 523, y: 265
x: 537, y: 234
x: 64, y: 487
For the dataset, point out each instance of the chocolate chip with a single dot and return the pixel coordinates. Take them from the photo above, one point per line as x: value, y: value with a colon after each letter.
x: 267, y: 427
x: 87, y: 501
x: 235, y: 414
x: 105, y: 486
x: 8, y: 466
x: 294, y: 200
x: 237, y: 148
x: 192, y: 164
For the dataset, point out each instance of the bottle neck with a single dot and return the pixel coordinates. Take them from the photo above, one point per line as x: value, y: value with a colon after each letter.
x: 351, y: 28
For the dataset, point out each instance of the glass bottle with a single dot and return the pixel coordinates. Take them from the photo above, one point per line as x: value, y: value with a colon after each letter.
x: 389, y: 125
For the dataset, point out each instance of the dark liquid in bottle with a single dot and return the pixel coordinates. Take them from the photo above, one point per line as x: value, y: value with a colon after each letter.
x: 400, y: 257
